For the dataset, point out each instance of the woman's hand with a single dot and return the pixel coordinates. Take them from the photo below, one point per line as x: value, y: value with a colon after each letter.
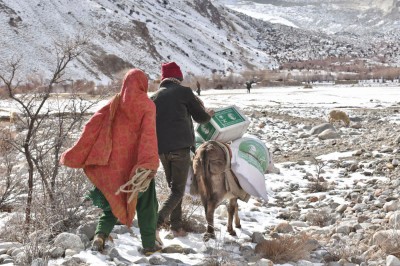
x: 152, y: 174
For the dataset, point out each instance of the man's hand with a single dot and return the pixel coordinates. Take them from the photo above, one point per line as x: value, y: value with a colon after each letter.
x: 210, y: 112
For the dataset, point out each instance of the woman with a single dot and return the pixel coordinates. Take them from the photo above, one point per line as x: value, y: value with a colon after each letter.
x: 118, y: 152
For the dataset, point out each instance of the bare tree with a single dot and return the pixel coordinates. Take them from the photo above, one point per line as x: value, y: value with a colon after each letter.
x: 46, y: 121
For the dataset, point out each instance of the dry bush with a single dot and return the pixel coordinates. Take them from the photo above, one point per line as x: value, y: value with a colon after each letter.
x: 10, y: 184
x: 342, y: 251
x: 316, y: 185
x: 191, y: 220
x: 391, y: 245
x: 320, y: 218
x: 285, y: 248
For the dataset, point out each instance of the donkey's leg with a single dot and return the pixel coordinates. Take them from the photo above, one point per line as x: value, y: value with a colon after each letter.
x: 237, y: 220
x: 210, y: 220
x: 231, y: 212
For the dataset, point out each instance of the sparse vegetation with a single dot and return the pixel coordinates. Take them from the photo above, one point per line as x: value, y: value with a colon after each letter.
x: 45, y: 126
x: 285, y: 248
x: 321, y: 218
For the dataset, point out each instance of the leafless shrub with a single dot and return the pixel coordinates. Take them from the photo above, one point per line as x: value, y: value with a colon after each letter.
x: 320, y: 218
x: 191, y: 220
x: 341, y: 251
x: 48, y: 123
x: 9, y: 184
x: 285, y: 248
x: 391, y: 246
x: 318, y: 183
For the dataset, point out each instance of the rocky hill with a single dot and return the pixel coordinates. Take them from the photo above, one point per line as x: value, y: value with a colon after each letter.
x: 204, y: 36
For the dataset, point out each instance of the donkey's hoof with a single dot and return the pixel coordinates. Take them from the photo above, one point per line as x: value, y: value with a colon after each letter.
x: 232, y: 233
x: 238, y: 226
x: 208, y: 236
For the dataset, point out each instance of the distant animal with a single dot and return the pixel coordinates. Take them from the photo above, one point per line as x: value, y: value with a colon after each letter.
x: 14, y: 117
x: 336, y: 115
x: 211, y: 167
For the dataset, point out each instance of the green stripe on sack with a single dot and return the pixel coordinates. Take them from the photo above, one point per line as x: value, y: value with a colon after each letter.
x: 255, y: 154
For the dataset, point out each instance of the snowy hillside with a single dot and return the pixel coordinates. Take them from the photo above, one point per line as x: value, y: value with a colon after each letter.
x: 334, y: 16
x: 203, y: 36
x: 200, y: 35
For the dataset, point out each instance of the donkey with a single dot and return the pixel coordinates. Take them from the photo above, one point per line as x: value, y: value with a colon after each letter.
x: 214, y: 181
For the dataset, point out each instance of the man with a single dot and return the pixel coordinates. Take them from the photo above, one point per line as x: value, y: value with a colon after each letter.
x: 176, y: 105
x: 248, y: 85
x: 198, y: 88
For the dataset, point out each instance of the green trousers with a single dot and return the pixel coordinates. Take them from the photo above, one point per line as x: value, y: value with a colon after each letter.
x: 146, y: 210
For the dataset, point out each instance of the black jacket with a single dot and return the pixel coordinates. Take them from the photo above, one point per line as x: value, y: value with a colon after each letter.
x: 176, y: 106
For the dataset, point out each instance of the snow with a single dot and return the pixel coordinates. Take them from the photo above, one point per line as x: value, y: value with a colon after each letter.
x: 258, y: 221
x: 140, y: 33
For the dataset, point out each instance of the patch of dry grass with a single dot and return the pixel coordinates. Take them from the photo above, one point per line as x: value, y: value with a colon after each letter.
x: 285, y: 248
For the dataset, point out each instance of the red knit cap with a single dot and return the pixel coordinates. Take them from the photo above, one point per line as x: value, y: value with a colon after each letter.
x: 171, y: 70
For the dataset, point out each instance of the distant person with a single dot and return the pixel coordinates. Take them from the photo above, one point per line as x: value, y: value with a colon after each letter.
x: 198, y: 88
x: 176, y: 106
x: 118, y: 152
x: 248, y: 85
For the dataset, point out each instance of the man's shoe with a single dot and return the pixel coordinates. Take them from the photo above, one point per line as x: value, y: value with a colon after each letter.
x: 179, y: 233
x: 152, y: 250
x: 99, y: 241
x: 158, y: 238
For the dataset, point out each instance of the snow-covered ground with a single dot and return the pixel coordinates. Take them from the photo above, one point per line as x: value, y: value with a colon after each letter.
x: 256, y: 215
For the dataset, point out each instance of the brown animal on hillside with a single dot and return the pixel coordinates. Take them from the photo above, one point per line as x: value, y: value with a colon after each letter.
x: 211, y: 167
x: 336, y: 115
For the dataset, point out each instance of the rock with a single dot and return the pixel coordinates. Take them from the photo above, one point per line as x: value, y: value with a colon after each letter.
x: 173, y: 249
x: 8, y: 245
x: 385, y: 238
x: 257, y: 237
x: 73, y: 261
x: 69, y: 241
x: 328, y: 134
x: 392, y: 261
x: 142, y: 261
x: 38, y: 262
x: 56, y: 252
x: 3, y: 257
x: 320, y: 128
x: 394, y: 220
x: 391, y: 206
x: 283, y: 228
x: 264, y: 262
x: 70, y: 252
x: 114, y: 254
x: 343, y: 229
x: 87, y: 229
x: 304, y: 263
x: 341, y: 208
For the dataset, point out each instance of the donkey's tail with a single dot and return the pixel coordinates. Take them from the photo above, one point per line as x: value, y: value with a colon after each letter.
x: 200, y: 171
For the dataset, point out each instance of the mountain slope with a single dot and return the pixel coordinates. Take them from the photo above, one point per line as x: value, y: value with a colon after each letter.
x: 361, y: 17
x: 201, y: 36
